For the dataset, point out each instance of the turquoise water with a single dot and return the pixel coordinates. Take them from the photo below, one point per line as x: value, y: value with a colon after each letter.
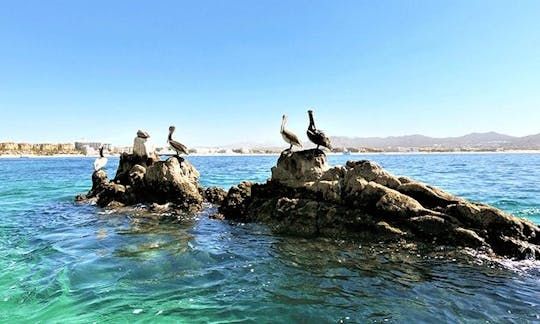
x: 65, y: 262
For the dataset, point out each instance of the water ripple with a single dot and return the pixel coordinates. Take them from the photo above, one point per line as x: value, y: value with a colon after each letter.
x: 78, y: 263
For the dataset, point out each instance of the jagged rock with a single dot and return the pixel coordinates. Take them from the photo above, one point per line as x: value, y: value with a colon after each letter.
x: 306, y: 197
x: 371, y: 171
x: 214, y: 195
x: 293, y: 169
x: 128, y: 161
x: 383, y: 228
x: 99, y: 182
x: 430, y: 225
x: 174, y: 180
x: 468, y: 237
x: 428, y: 196
x: 396, y: 204
x: 146, y: 179
x: 235, y: 203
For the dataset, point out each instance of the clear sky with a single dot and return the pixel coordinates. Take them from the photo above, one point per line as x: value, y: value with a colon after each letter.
x: 225, y: 71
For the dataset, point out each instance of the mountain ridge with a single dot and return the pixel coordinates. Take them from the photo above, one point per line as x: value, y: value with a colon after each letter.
x: 476, y: 141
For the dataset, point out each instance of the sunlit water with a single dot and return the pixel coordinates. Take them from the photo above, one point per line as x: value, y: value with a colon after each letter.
x: 66, y: 262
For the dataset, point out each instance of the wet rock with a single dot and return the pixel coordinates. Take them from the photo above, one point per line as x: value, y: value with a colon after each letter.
x: 467, y: 237
x: 306, y: 197
x: 214, y: 195
x: 430, y: 225
x: 235, y: 203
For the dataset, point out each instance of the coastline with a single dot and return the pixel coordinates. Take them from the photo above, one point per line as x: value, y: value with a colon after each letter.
x: 31, y: 156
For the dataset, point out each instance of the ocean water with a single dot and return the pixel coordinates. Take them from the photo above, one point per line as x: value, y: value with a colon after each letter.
x: 76, y: 263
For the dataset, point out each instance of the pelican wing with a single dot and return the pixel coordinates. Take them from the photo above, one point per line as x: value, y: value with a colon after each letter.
x: 179, y: 147
x: 291, y: 138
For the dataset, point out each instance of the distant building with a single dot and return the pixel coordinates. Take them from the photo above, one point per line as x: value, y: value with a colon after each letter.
x: 91, y: 148
x: 80, y: 146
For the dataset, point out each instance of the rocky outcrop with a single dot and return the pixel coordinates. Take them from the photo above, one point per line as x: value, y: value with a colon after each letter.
x: 305, y: 196
x: 148, y: 180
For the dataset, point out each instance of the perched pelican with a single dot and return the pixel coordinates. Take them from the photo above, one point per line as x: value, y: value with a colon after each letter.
x: 142, y: 134
x: 101, y: 161
x: 289, y: 136
x: 315, y: 135
x: 178, y: 147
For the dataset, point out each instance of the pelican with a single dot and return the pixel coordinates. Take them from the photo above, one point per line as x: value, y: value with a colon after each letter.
x: 289, y: 136
x: 101, y: 161
x: 142, y: 134
x: 315, y: 135
x: 178, y: 147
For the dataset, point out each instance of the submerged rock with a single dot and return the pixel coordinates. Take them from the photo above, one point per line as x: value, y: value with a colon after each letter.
x: 305, y: 196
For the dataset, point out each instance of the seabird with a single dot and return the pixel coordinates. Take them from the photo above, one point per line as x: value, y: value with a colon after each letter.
x: 289, y: 136
x: 101, y: 161
x: 142, y: 134
x: 178, y: 147
x: 315, y: 135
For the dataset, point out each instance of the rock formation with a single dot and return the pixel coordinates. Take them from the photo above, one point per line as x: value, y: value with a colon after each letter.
x: 141, y: 144
x: 147, y: 179
x: 305, y: 196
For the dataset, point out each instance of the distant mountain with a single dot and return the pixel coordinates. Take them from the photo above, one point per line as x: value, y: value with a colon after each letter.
x: 473, y: 141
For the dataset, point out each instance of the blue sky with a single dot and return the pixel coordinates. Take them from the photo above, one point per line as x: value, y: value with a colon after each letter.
x: 225, y: 71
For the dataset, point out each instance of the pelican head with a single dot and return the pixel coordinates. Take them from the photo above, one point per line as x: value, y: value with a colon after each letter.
x: 142, y: 134
x: 171, y: 128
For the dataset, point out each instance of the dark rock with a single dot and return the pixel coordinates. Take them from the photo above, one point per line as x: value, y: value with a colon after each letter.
x: 99, y: 182
x: 430, y: 225
x: 235, y: 203
x: 307, y: 197
x: 214, y: 195
x: 467, y: 237
x: 387, y: 231
x: 128, y: 161
x: 514, y: 248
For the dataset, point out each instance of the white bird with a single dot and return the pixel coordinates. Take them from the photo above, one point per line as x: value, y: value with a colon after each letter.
x: 177, y: 146
x: 101, y: 161
x: 289, y: 136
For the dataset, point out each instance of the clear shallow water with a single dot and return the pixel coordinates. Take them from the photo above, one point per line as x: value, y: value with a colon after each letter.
x: 78, y: 263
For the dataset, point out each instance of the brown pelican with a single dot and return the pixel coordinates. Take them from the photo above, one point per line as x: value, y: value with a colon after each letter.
x: 142, y: 134
x: 315, y: 135
x: 289, y: 136
x: 178, y: 147
x: 101, y: 161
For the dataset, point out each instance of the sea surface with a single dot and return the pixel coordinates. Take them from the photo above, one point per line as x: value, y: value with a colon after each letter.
x: 77, y: 263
